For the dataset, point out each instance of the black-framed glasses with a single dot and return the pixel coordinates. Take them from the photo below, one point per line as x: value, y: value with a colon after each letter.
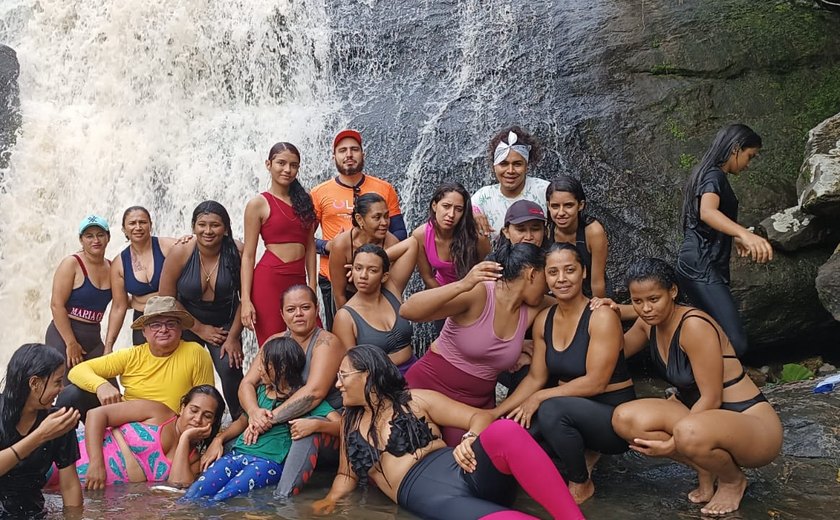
x: 160, y: 325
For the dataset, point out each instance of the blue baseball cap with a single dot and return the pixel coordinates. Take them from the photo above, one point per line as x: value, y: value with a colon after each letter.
x: 93, y: 220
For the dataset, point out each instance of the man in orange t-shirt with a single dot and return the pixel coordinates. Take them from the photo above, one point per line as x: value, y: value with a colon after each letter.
x: 333, y: 202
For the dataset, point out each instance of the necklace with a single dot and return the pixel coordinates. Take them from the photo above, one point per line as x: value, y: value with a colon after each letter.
x: 207, y: 273
x: 279, y: 206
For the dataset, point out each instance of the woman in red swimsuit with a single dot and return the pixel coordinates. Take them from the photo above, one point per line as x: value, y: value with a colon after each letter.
x: 285, y: 218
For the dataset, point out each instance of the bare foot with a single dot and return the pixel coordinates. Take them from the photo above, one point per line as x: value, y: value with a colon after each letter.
x: 591, y: 459
x: 582, y: 492
x: 727, y: 498
x: 705, y: 488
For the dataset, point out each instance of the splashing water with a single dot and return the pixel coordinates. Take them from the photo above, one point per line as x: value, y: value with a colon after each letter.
x: 150, y: 103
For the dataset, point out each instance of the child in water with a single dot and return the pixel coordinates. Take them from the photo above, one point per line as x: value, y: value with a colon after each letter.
x: 256, y: 460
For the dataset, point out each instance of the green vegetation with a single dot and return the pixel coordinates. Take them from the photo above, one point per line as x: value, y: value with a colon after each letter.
x: 687, y: 161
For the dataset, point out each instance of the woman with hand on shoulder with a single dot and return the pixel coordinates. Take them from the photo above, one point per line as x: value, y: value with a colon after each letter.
x: 710, y: 224
x: 145, y: 441
x: 569, y: 224
x: 487, y: 315
x: 33, y: 380
x: 135, y: 275
x: 391, y: 435
x: 81, y: 292
x: 370, y: 226
x: 285, y: 217
x: 512, y: 152
x: 449, y: 243
x: 719, y: 420
x: 203, y: 274
x: 577, y: 376
x: 372, y: 315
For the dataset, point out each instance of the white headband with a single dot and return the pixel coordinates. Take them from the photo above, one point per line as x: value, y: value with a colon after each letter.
x: 503, y: 149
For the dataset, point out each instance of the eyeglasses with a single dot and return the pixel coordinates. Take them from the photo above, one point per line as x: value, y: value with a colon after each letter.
x: 341, y: 375
x: 157, y: 326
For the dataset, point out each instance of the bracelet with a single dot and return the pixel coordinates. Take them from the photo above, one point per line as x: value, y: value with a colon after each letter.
x: 16, y: 453
x: 469, y: 435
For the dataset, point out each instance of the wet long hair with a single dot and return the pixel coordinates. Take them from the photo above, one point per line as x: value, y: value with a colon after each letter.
x: 229, y: 256
x: 385, y: 382
x: 301, y: 201
x: 31, y: 359
x: 464, y: 246
x: 655, y: 270
x: 522, y: 137
x: 728, y: 139
x: 285, y: 356
x: 514, y: 258
x: 362, y: 205
x: 567, y: 184
x: 217, y: 415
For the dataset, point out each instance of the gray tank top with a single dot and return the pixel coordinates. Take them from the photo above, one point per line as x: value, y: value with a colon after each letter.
x: 333, y: 396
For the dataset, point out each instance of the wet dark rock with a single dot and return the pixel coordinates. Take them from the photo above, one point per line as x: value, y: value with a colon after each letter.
x: 826, y: 368
x: 793, y: 229
x: 625, y: 96
x: 828, y: 284
x: 819, y: 178
x: 9, y: 102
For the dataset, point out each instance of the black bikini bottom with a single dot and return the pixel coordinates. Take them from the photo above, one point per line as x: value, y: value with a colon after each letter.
x: 740, y: 406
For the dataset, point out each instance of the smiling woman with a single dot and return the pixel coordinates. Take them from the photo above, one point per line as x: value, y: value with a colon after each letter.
x: 81, y: 292
x: 204, y: 274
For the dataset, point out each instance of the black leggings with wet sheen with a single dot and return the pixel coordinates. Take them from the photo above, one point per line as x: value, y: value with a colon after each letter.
x: 230, y: 375
x: 716, y: 300
x: 571, y: 425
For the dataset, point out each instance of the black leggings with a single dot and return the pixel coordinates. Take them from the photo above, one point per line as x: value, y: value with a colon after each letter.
x: 571, y: 425
x: 137, y: 337
x: 230, y: 375
x: 716, y: 300
x: 436, y: 487
x: 329, y: 303
x: 88, y: 335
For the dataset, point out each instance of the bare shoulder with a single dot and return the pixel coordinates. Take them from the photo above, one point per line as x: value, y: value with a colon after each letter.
x: 419, y: 234
x: 595, y: 230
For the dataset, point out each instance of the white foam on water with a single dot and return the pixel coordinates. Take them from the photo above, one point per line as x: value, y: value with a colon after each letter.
x: 157, y: 103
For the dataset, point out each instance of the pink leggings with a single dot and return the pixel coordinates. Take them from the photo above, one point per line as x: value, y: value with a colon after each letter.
x: 436, y: 487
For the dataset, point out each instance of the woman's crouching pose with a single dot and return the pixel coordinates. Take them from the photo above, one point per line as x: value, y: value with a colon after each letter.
x: 719, y: 420
x: 391, y: 434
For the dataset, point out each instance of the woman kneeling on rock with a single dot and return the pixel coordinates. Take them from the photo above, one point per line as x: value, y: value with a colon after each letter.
x: 719, y: 419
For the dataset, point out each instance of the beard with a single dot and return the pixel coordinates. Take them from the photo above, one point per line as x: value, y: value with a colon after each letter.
x: 358, y: 168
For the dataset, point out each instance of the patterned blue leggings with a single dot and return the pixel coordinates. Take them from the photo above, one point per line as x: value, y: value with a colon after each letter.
x: 234, y: 475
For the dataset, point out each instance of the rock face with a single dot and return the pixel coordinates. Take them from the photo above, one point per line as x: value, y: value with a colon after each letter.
x: 819, y: 178
x: 793, y: 229
x: 9, y: 102
x: 828, y: 284
x: 624, y: 96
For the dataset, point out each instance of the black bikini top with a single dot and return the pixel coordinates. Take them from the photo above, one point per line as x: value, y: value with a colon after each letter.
x: 408, y: 434
x: 570, y: 363
x: 678, y: 370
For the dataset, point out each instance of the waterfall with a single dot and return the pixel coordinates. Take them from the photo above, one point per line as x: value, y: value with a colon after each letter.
x: 153, y: 103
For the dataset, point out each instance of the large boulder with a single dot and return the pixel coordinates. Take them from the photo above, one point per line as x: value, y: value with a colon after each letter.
x: 828, y: 284
x: 819, y: 178
x: 9, y: 103
x: 793, y: 229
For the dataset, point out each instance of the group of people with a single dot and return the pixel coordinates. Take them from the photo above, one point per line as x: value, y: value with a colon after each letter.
x: 516, y: 285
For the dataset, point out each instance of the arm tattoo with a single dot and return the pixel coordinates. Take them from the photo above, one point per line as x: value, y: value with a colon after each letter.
x: 293, y: 409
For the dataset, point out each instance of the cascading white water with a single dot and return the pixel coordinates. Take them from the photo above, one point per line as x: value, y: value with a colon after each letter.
x: 154, y: 103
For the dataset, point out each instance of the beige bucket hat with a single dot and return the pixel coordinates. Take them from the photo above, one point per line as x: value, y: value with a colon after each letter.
x: 163, y: 306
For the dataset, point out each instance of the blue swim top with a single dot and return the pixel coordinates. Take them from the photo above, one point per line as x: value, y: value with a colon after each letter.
x: 134, y: 286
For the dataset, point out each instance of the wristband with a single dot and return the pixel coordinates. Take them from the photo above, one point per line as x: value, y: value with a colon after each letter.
x: 468, y: 435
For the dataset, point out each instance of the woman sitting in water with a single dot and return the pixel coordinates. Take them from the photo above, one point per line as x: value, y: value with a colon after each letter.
x: 370, y: 226
x: 578, y: 352
x: 34, y: 378
x: 145, y: 441
x: 256, y: 461
x: 81, y: 292
x: 449, y: 243
x: 203, y: 274
x: 719, y: 420
x: 323, y: 352
x: 135, y: 275
x: 372, y: 316
x: 569, y: 224
x: 391, y: 435
x: 487, y: 314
